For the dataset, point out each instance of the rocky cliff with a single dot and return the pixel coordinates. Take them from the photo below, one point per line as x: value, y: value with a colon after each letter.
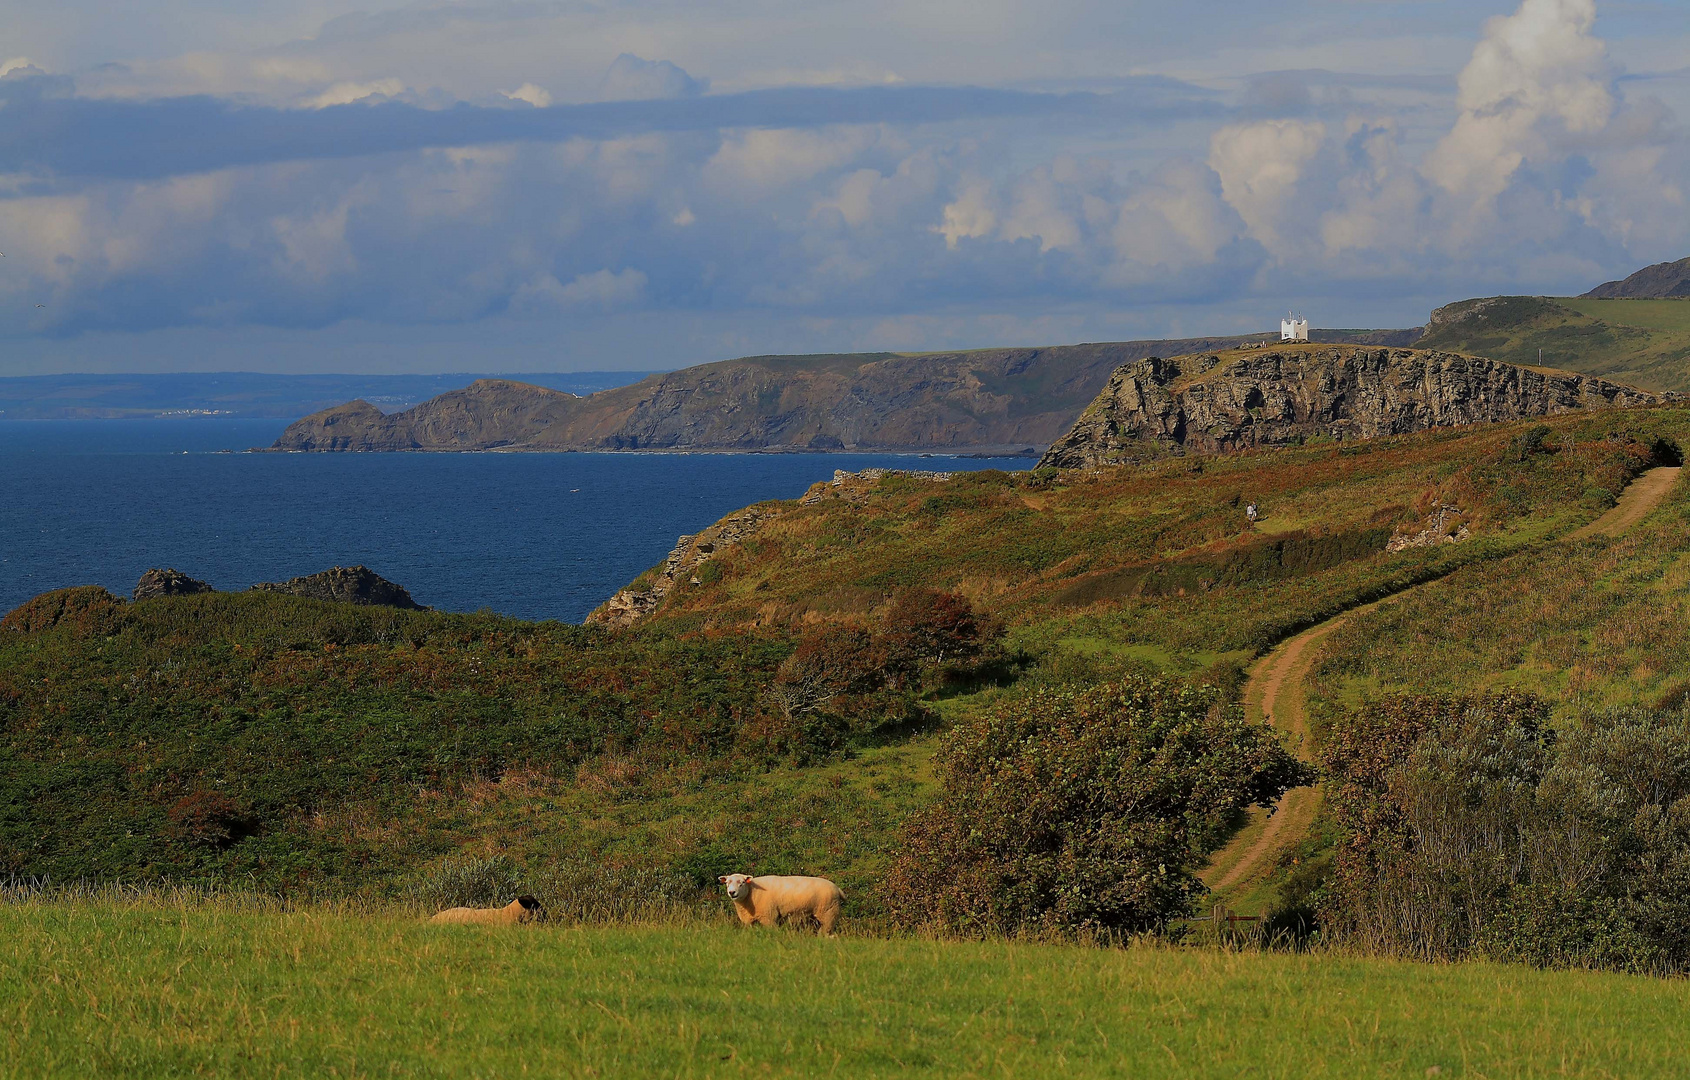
x: 1240, y: 398
x: 998, y: 398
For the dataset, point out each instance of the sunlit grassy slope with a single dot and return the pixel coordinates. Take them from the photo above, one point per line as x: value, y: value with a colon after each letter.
x: 1155, y: 564
x: 1593, y: 622
x: 151, y: 991
x: 324, y: 748
x: 1642, y: 342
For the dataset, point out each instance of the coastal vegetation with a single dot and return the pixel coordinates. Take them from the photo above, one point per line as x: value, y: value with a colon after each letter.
x: 891, y: 679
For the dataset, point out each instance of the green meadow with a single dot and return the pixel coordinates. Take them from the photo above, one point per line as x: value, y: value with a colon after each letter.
x: 162, y: 989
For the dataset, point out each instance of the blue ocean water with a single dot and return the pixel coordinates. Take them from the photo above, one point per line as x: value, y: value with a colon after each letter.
x: 536, y: 536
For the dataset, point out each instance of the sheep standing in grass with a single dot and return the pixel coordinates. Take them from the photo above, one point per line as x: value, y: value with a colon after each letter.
x: 521, y: 910
x: 769, y: 901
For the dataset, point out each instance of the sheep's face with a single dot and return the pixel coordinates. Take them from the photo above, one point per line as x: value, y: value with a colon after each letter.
x: 738, y: 885
x: 529, y: 909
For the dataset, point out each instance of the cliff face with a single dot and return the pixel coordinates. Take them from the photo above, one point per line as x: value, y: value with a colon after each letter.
x: 987, y: 398
x: 1242, y: 398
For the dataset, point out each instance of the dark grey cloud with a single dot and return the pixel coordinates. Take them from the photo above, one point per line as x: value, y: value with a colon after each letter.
x: 44, y: 130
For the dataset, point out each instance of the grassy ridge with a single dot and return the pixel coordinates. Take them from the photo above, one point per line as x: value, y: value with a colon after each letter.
x: 1642, y: 342
x: 1155, y: 563
x: 158, y: 990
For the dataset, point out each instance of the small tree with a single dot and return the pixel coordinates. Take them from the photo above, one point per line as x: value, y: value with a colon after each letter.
x: 1073, y: 809
x: 828, y: 662
x: 925, y: 626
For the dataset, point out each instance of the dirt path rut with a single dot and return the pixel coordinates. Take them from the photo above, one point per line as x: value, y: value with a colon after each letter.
x: 1275, y: 693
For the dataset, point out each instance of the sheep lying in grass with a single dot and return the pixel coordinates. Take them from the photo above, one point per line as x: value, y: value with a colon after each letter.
x: 521, y: 910
x: 768, y: 901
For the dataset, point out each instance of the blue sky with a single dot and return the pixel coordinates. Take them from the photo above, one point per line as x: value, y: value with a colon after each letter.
x: 527, y: 185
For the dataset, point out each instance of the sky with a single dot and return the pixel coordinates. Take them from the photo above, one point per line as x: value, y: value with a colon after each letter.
x: 527, y: 185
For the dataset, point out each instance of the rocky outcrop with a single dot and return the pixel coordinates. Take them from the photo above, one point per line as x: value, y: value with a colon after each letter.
x: 346, y: 585
x: 1232, y: 400
x: 1445, y: 525
x: 986, y: 398
x: 634, y: 603
x: 156, y: 582
x: 1663, y: 281
x: 691, y: 552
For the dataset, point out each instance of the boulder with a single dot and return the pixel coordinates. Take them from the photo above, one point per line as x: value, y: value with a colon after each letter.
x: 346, y: 585
x: 156, y: 582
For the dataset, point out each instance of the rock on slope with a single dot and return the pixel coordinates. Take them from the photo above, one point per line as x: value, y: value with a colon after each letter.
x: 985, y: 398
x: 172, y: 582
x: 1663, y: 281
x: 1253, y: 397
x: 346, y: 585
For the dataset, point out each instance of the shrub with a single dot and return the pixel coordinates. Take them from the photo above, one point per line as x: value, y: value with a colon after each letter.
x: 211, y: 818
x: 1069, y: 809
x: 925, y: 626
x: 1532, y: 441
x: 1469, y: 827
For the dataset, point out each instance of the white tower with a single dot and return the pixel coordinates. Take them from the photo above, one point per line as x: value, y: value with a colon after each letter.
x: 1291, y: 328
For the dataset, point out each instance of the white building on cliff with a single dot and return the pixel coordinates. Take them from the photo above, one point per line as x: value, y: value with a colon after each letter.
x: 1292, y: 328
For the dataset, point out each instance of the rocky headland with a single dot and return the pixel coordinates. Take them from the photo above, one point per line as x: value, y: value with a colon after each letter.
x: 1232, y: 400
x: 1006, y: 399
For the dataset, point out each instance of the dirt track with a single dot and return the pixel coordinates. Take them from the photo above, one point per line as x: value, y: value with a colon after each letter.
x: 1275, y: 692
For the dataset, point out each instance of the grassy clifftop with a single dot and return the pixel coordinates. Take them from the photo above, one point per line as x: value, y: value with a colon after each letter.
x: 1642, y: 342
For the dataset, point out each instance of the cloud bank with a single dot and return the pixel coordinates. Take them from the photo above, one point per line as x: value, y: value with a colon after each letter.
x: 869, y: 213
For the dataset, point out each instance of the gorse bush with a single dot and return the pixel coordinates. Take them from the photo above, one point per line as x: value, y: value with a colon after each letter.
x: 847, y: 681
x: 1469, y: 826
x: 1076, y: 809
x: 279, y: 739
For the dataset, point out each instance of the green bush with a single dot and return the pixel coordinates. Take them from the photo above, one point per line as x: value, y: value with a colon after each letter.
x: 1470, y: 827
x: 1071, y: 810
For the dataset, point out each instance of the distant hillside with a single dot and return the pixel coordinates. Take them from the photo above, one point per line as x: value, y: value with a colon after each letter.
x: 1241, y: 398
x: 986, y: 398
x: 1642, y: 342
x: 1663, y: 281
x: 243, y: 394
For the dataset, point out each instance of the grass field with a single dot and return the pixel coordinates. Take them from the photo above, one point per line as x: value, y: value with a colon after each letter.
x: 161, y: 990
x: 1673, y: 315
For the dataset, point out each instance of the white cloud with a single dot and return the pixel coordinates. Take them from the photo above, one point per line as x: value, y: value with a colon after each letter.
x: 1539, y: 78
x: 633, y: 79
x: 971, y: 215
x: 349, y: 93
x: 752, y: 162
x: 601, y: 290
x: 537, y: 96
x: 1260, y: 166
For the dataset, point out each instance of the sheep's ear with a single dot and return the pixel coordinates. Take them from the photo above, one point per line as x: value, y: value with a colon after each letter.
x: 722, y: 879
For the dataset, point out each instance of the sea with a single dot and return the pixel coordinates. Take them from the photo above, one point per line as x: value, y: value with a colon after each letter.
x: 533, y: 536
